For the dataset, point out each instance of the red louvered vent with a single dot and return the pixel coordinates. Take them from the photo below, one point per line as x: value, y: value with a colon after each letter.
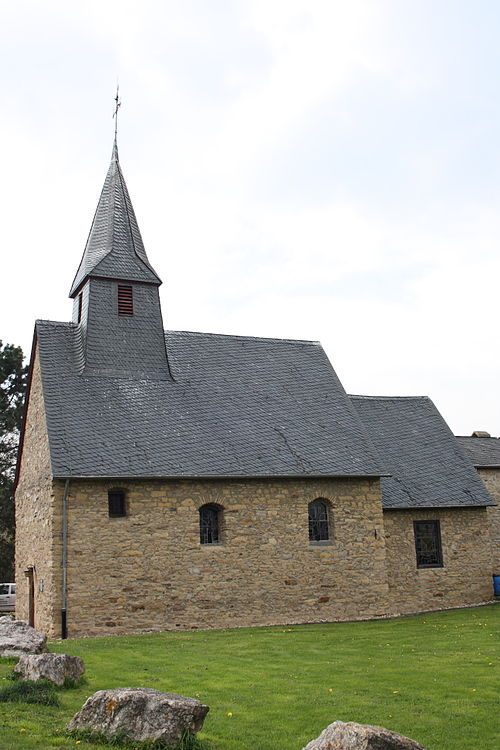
x: 125, y: 300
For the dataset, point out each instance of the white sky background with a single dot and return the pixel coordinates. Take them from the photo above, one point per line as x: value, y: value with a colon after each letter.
x: 299, y: 169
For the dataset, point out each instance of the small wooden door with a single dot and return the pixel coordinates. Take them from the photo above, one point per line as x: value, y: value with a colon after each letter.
x: 31, y: 596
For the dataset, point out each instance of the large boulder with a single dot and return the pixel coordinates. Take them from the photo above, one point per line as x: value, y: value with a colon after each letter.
x: 140, y: 714
x: 54, y: 667
x: 17, y: 638
x: 351, y: 736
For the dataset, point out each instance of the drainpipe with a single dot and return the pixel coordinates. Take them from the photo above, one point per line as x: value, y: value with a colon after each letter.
x: 64, y: 629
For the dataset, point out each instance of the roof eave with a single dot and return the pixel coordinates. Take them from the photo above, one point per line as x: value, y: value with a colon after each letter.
x: 439, y: 507
x: 217, y: 476
x: 77, y: 289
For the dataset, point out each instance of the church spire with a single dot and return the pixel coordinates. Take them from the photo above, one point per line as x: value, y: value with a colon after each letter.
x: 114, y: 248
x: 116, y: 308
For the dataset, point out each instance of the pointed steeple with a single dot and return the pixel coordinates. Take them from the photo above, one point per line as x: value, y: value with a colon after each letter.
x: 114, y: 248
x: 116, y: 306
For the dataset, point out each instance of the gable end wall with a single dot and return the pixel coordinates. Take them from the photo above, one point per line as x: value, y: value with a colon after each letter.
x: 35, y: 501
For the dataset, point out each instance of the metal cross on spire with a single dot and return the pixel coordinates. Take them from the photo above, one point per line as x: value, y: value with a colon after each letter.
x: 118, y: 104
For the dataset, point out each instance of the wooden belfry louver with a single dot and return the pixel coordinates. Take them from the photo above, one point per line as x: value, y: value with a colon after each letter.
x: 125, y: 300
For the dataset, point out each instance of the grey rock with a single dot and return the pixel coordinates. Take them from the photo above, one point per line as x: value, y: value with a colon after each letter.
x: 54, y: 667
x: 140, y: 714
x: 17, y: 638
x: 351, y: 736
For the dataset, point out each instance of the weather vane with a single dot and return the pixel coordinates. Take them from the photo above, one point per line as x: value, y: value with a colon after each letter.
x: 118, y: 104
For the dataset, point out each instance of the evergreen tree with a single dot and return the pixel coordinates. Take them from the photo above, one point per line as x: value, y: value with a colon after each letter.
x: 13, y: 375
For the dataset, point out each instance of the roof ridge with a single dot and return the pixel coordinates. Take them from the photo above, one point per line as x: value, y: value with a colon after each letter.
x: 389, y: 398
x: 246, y: 338
x: 65, y: 323
x: 473, y: 437
x: 70, y: 324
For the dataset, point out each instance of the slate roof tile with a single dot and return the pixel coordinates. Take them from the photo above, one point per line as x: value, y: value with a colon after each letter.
x: 428, y: 465
x: 483, y: 452
x: 114, y: 247
x: 237, y: 406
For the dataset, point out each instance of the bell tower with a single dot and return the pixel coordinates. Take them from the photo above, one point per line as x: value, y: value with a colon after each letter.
x: 115, y: 291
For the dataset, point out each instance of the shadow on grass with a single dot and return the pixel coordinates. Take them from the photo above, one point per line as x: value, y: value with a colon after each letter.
x: 187, y: 742
x: 27, y: 691
x: 68, y: 684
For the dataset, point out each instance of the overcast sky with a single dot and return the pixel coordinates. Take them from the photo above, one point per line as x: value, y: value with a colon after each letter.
x: 323, y: 170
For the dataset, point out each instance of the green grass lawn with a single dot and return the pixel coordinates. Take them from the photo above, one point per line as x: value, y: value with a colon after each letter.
x: 433, y: 677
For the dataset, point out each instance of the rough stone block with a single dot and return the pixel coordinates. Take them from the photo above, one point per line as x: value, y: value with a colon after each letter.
x: 140, y: 714
x: 54, y: 667
x: 17, y: 638
x: 352, y: 736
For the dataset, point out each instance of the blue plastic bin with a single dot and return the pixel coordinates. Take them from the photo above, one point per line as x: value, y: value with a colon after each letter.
x: 496, y: 585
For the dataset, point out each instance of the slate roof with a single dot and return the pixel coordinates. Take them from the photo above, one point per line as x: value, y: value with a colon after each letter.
x: 114, y: 246
x: 483, y: 452
x: 429, y: 467
x: 237, y: 406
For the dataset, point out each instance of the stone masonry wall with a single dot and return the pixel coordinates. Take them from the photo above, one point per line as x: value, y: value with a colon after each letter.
x: 491, y: 478
x: 148, y: 570
x: 34, y: 511
x: 465, y: 577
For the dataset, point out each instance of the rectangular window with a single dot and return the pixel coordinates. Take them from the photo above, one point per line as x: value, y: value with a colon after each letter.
x: 116, y: 504
x: 79, y: 308
x: 428, y: 544
x: 125, y: 300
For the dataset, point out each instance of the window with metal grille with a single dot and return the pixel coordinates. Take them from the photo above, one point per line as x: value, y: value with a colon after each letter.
x: 209, y: 524
x: 116, y: 503
x: 319, y: 530
x: 125, y: 300
x: 428, y: 544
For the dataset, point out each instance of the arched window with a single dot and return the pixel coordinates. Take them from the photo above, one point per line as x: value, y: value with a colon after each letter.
x: 318, y: 521
x: 210, y: 524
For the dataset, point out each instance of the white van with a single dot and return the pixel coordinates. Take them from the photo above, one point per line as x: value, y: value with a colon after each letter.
x: 7, y: 597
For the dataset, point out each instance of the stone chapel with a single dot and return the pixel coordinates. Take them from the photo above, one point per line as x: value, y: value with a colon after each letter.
x: 170, y: 479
